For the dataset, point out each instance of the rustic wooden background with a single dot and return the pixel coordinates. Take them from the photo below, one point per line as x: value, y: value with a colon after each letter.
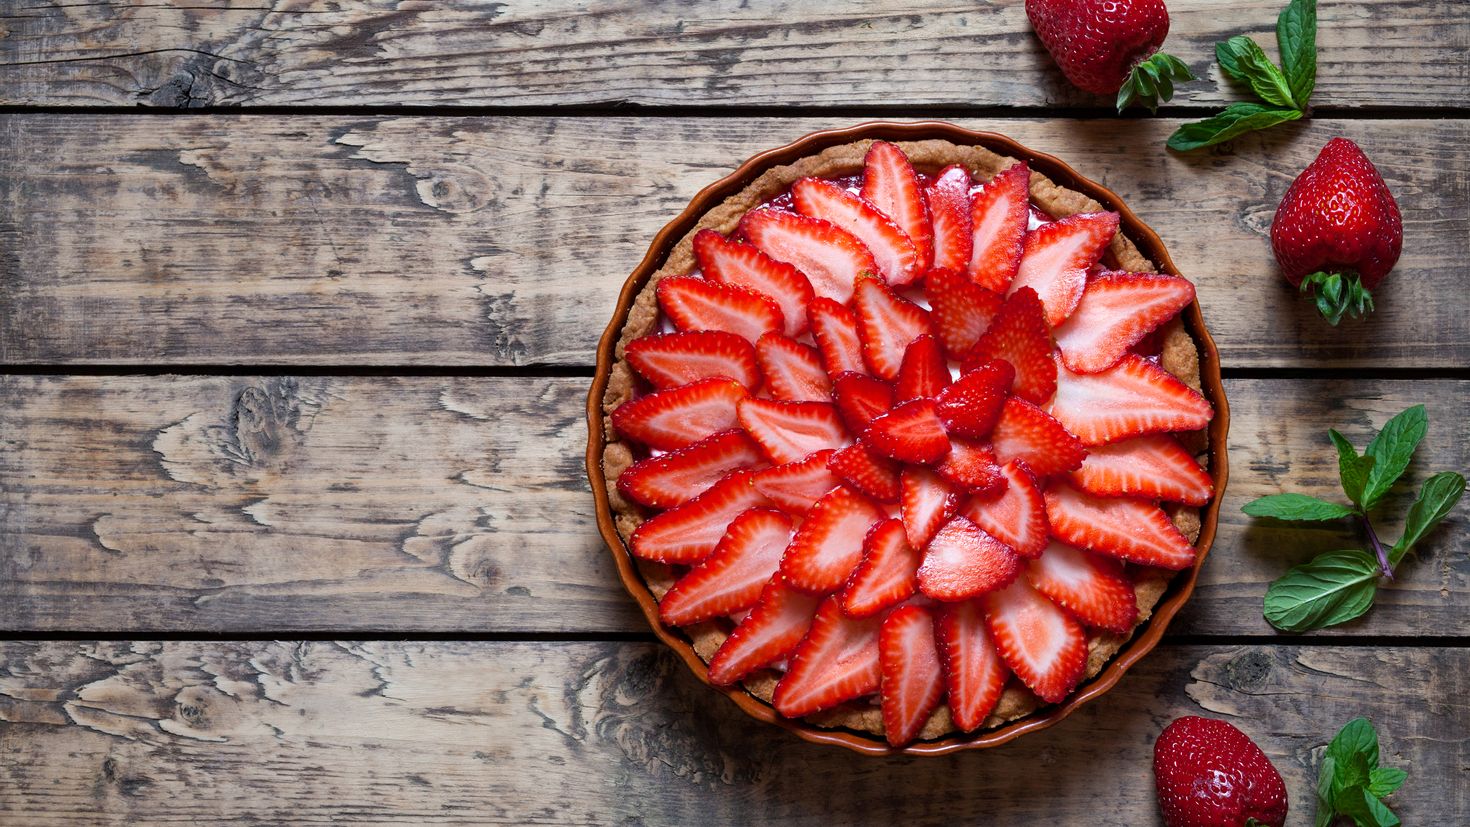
x: 297, y: 312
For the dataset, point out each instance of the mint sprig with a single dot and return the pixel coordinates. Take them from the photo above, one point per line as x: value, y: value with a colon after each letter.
x: 1338, y: 586
x: 1285, y: 90
x: 1350, y: 783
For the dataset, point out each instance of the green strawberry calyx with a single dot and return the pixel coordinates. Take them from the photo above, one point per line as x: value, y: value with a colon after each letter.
x: 1338, y: 295
x: 1152, y: 81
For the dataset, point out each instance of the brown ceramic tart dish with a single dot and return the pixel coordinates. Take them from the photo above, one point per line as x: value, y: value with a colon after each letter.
x: 924, y: 418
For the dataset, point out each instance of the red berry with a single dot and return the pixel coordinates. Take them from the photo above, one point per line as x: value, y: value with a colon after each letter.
x: 1210, y: 774
x: 1338, y: 218
x: 1098, y: 43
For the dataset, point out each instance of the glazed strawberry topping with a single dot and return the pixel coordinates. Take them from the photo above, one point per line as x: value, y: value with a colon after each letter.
x: 998, y: 216
x: 920, y: 447
x: 888, y: 574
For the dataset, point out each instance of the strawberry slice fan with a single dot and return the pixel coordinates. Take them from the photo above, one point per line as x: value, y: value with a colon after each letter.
x: 901, y: 444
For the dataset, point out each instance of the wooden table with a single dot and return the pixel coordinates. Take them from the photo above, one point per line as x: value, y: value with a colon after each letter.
x: 297, y: 314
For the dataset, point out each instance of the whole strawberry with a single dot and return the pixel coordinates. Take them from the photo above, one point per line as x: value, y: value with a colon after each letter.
x: 1209, y: 774
x: 1338, y: 231
x: 1110, y: 47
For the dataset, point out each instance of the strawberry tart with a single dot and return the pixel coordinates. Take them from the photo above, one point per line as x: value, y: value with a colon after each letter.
x: 907, y: 438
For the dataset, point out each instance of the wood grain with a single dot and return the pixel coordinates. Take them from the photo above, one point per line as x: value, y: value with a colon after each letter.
x: 621, y: 733
x: 504, y: 241
x: 784, y: 52
x: 258, y: 505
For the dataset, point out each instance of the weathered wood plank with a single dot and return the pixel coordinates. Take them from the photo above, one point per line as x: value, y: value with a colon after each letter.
x: 686, y: 53
x: 621, y: 733
x: 470, y: 241
x: 261, y: 505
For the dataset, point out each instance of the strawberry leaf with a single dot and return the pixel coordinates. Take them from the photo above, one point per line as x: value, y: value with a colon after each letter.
x: 1352, y: 469
x: 1296, y: 507
x: 1391, y: 451
x: 1338, y: 295
x: 1334, y: 588
x: 1152, y: 81
x: 1296, y: 39
x: 1243, y: 60
x: 1237, y: 119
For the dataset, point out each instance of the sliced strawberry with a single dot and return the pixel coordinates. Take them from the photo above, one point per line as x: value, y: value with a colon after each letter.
x: 891, y: 185
x: 1055, y: 259
x: 971, y: 465
x: 830, y: 257
x: 949, y: 210
x: 886, y: 325
x: 680, y: 416
x: 923, y: 373
x: 793, y: 370
x: 789, y: 431
x: 860, y: 399
x: 695, y: 304
x: 687, y: 533
x: 667, y: 480
x: 913, y: 681
x: 835, y: 330
x: 959, y: 309
x: 1092, y: 588
x: 731, y: 578
x: 1018, y: 335
x: 772, y: 630
x: 1133, y: 530
x: 829, y: 543
x: 873, y: 475
x: 1152, y: 467
x: 836, y: 661
x: 962, y: 561
x: 1017, y: 517
x: 1027, y: 433
x: 1042, y: 644
x: 1117, y: 310
x: 972, y: 405
x: 795, y: 486
x: 998, y: 213
x: 973, y: 671
x: 730, y: 262
x: 910, y: 432
x: 898, y: 260
x: 926, y: 501
x: 668, y: 360
x: 886, y: 575
x: 1132, y: 398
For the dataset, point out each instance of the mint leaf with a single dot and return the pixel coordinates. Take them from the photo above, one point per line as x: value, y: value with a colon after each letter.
x: 1351, y: 468
x: 1382, y: 781
x: 1296, y: 507
x: 1242, y: 59
x: 1391, y: 451
x: 1334, y: 588
x: 1437, y: 497
x: 1237, y: 119
x: 1325, y: 778
x: 1296, y: 39
x: 1357, y: 737
x: 1365, y: 809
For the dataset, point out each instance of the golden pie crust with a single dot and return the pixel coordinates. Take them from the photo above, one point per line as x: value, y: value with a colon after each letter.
x: 1180, y: 356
